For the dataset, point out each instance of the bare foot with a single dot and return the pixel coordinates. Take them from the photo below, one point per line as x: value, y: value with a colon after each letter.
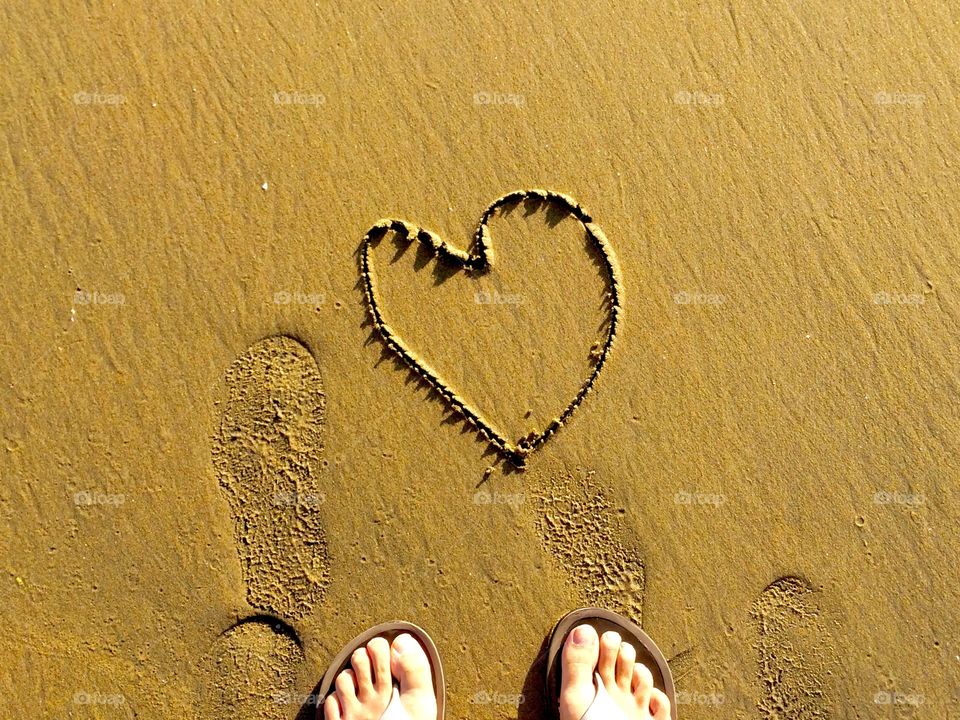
x: 628, y: 683
x: 364, y: 691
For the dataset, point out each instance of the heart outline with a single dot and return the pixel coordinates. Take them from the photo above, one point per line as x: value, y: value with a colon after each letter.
x: 478, y: 261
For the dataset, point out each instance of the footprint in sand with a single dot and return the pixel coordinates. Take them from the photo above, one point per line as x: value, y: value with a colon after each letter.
x: 267, y: 459
x: 797, y: 658
x: 591, y: 544
x: 588, y: 537
x: 251, y: 672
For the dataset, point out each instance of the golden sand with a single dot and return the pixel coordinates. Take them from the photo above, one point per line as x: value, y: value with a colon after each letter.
x: 216, y: 468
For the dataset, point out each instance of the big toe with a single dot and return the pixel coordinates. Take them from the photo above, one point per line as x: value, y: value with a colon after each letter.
x: 411, y: 666
x: 578, y: 663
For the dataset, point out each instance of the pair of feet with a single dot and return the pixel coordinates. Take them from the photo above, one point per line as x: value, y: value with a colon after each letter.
x: 364, y: 690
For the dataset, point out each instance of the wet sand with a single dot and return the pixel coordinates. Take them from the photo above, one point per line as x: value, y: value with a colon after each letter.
x: 217, y: 468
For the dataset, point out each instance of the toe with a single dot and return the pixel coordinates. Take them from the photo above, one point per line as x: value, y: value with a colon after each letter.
x: 379, y: 651
x: 642, y: 684
x: 609, y: 649
x: 411, y: 665
x: 331, y: 708
x: 625, y: 662
x: 360, y: 662
x: 659, y: 705
x: 581, y: 650
x: 346, y: 685
x: 579, y: 659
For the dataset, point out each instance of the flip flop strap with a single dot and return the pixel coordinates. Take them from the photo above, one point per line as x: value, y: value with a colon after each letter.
x: 603, y: 707
x: 395, y: 709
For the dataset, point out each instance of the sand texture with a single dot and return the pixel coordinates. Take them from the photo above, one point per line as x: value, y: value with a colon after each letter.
x: 317, y: 315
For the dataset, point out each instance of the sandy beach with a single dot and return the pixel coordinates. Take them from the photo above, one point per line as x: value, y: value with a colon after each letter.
x: 315, y: 316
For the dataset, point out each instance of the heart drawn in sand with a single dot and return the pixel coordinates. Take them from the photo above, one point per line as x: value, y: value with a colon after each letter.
x: 480, y: 259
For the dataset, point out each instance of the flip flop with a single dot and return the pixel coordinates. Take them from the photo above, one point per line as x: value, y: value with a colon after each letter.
x: 602, y: 620
x: 388, y: 630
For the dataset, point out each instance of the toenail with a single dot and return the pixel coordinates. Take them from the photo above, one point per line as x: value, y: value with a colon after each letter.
x: 404, y: 644
x: 581, y: 635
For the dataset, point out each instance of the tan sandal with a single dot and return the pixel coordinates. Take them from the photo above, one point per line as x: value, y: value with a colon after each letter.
x: 388, y: 630
x: 602, y: 620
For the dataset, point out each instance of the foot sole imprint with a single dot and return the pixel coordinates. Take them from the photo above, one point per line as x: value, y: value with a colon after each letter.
x: 795, y: 653
x: 267, y: 459
x: 588, y: 538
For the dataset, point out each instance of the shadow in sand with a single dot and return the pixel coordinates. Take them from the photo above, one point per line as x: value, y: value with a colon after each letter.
x: 535, y: 705
x: 308, y: 711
